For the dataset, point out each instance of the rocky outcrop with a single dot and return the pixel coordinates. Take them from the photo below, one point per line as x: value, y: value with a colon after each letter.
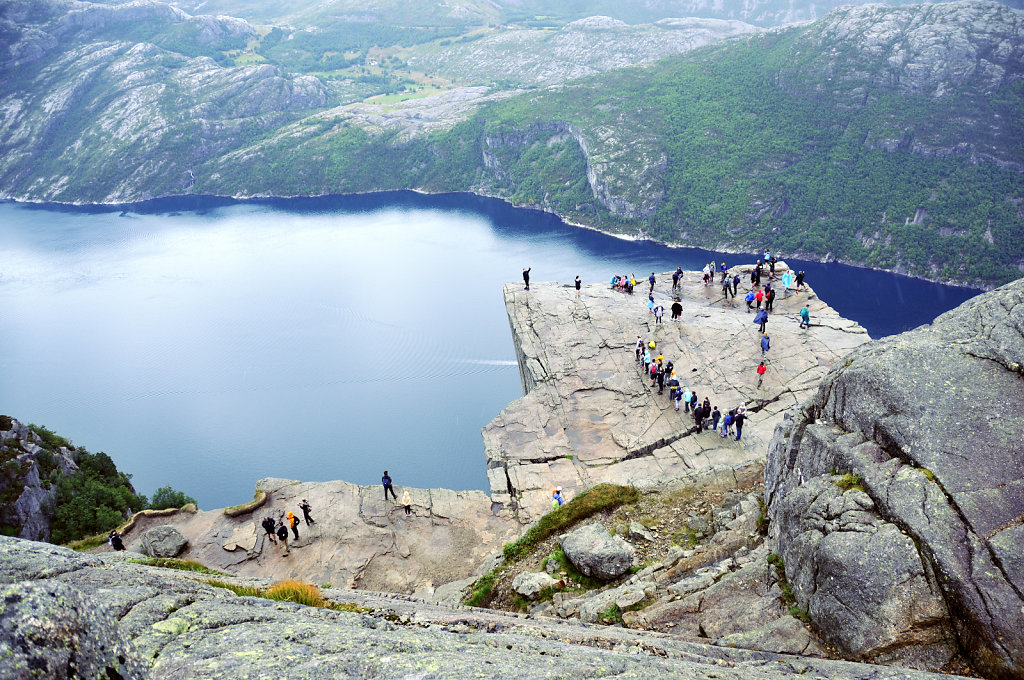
x: 171, y: 625
x: 358, y: 540
x: 589, y: 416
x: 595, y: 552
x: 162, y: 541
x: 31, y: 465
x: 897, y: 492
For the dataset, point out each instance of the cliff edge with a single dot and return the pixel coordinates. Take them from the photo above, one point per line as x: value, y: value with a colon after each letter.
x: 896, y: 492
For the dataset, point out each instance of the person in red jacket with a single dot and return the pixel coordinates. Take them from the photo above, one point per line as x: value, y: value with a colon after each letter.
x: 761, y: 368
x: 758, y: 297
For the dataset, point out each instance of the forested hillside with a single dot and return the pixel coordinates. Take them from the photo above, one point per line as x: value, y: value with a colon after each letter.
x: 890, y: 137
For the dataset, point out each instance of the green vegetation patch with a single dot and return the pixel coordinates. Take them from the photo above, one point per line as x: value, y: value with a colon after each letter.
x: 592, y: 501
x: 851, y: 480
x: 182, y: 565
x: 291, y: 590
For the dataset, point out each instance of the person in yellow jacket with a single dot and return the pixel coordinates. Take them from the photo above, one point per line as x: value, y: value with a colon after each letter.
x: 293, y: 522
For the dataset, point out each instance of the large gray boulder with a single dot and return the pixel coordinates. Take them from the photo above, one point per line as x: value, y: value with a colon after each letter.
x: 163, y: 541
x: 51, y: 630
x: 595, y: 552
x: 929, y: 423
x: 531, y: 583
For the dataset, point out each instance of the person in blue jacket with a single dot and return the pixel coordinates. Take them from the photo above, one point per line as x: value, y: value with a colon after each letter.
x: 765, y: 344
x: 762, y: 318
x: 749, y: 299
x: 386, y: 481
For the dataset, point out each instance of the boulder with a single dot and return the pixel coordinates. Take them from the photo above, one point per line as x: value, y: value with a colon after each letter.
x: 530, y: 583
x: 50, y: 630
x: 163, y: 541
x: 595, y: 552
x: 638, y: 532
x: 924, y: 429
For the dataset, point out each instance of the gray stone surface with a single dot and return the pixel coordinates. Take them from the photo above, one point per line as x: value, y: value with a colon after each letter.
x: 178, y: 627
x: 595, y: 552
x: 530, y: 583
x: 51, y: 631
x: 163, y: 541
x: 930, y: 421
x: 588, y: 416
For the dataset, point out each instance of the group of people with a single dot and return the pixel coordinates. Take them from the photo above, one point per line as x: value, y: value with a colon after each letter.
x: 385, y: 480
x: 705, y: 416
x: 277, y: 531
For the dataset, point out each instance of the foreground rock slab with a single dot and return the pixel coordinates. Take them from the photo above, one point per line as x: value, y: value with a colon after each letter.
x: 589, y: 416
x: 172, y: 626
x: 359, y: 540
x: 897, y: 492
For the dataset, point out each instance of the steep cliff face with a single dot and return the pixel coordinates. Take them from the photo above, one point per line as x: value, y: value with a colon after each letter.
x: 897, y: 492
x: 31, y: 466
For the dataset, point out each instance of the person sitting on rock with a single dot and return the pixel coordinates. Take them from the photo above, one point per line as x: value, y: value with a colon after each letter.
x: 115, y: 541
x: 556, y: 498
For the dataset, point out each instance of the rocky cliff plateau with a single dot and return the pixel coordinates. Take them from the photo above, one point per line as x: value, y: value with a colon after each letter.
x: 893, y: 489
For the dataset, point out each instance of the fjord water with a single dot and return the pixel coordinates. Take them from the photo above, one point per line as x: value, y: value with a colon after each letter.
x: 206, y: 343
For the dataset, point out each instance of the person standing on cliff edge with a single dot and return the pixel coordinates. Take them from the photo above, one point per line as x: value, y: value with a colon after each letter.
x: 651, y: 280
x: 578, y: 284
x: 526, y: 276
x: 386, y: 481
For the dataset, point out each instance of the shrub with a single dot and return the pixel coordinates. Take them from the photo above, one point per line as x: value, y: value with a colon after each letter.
x: 291, y: 590
x: 483, y: 589
x: 51, y: 440
x: 167, y: 497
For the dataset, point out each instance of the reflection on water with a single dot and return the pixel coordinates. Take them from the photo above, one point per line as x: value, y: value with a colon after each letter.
x: 206, y: 343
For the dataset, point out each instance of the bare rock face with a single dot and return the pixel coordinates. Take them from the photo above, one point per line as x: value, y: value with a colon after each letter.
x: 358, y: 540
x: 595, y: 552
x: 51, y: 630
x: 589, y: 416
x: 163, y: 541
x: 928, y: 425
x: 27, y: 486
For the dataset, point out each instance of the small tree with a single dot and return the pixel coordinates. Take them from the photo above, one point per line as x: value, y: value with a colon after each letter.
x: 167, y: 497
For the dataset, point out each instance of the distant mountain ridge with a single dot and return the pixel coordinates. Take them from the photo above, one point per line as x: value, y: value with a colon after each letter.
x: 891, y: 137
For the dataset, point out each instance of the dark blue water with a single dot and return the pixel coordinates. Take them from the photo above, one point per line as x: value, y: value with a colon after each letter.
x: 206, y: 342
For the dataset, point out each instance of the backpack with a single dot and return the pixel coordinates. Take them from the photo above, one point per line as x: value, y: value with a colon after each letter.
x: 282, y: 532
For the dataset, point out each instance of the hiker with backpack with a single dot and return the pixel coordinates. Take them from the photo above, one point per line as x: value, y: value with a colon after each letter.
x: 270, y: 526
x: 386, y: 481
x: 282, y: 536
x: 306, y: 509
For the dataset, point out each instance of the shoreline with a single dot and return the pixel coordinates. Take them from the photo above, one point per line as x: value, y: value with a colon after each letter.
x: 798, y: 255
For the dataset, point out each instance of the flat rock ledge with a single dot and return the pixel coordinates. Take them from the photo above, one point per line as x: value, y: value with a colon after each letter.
x: 359, y: 540
x: 589, y: 417
x: 133, y: 621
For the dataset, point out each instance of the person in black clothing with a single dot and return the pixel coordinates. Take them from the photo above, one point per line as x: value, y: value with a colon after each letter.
x: 735, y: 284
x: 526, y: 276
x: 771, y: 266
x: 115, y: 541
x: 386, y: 481
x: 677, y: 309
x: 716, y: 415
x: 698, y: 418
x: 800, y: 280
x: 661, y: 382
x: 270, y: 526
x: 737, y: 420
x: 306, y: 509
x: 578, y: 284
x: 651, y: 281
x: 769, y: 299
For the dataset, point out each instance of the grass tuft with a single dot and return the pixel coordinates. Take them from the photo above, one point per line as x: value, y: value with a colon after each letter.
x: 851, y: 480
x: 183, y: 565
x: 291, y: 590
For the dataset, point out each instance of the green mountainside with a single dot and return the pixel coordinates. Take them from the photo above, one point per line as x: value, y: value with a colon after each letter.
x: 890, y: 137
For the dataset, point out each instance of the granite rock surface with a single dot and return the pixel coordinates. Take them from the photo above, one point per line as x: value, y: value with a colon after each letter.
x: 923, y: 433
